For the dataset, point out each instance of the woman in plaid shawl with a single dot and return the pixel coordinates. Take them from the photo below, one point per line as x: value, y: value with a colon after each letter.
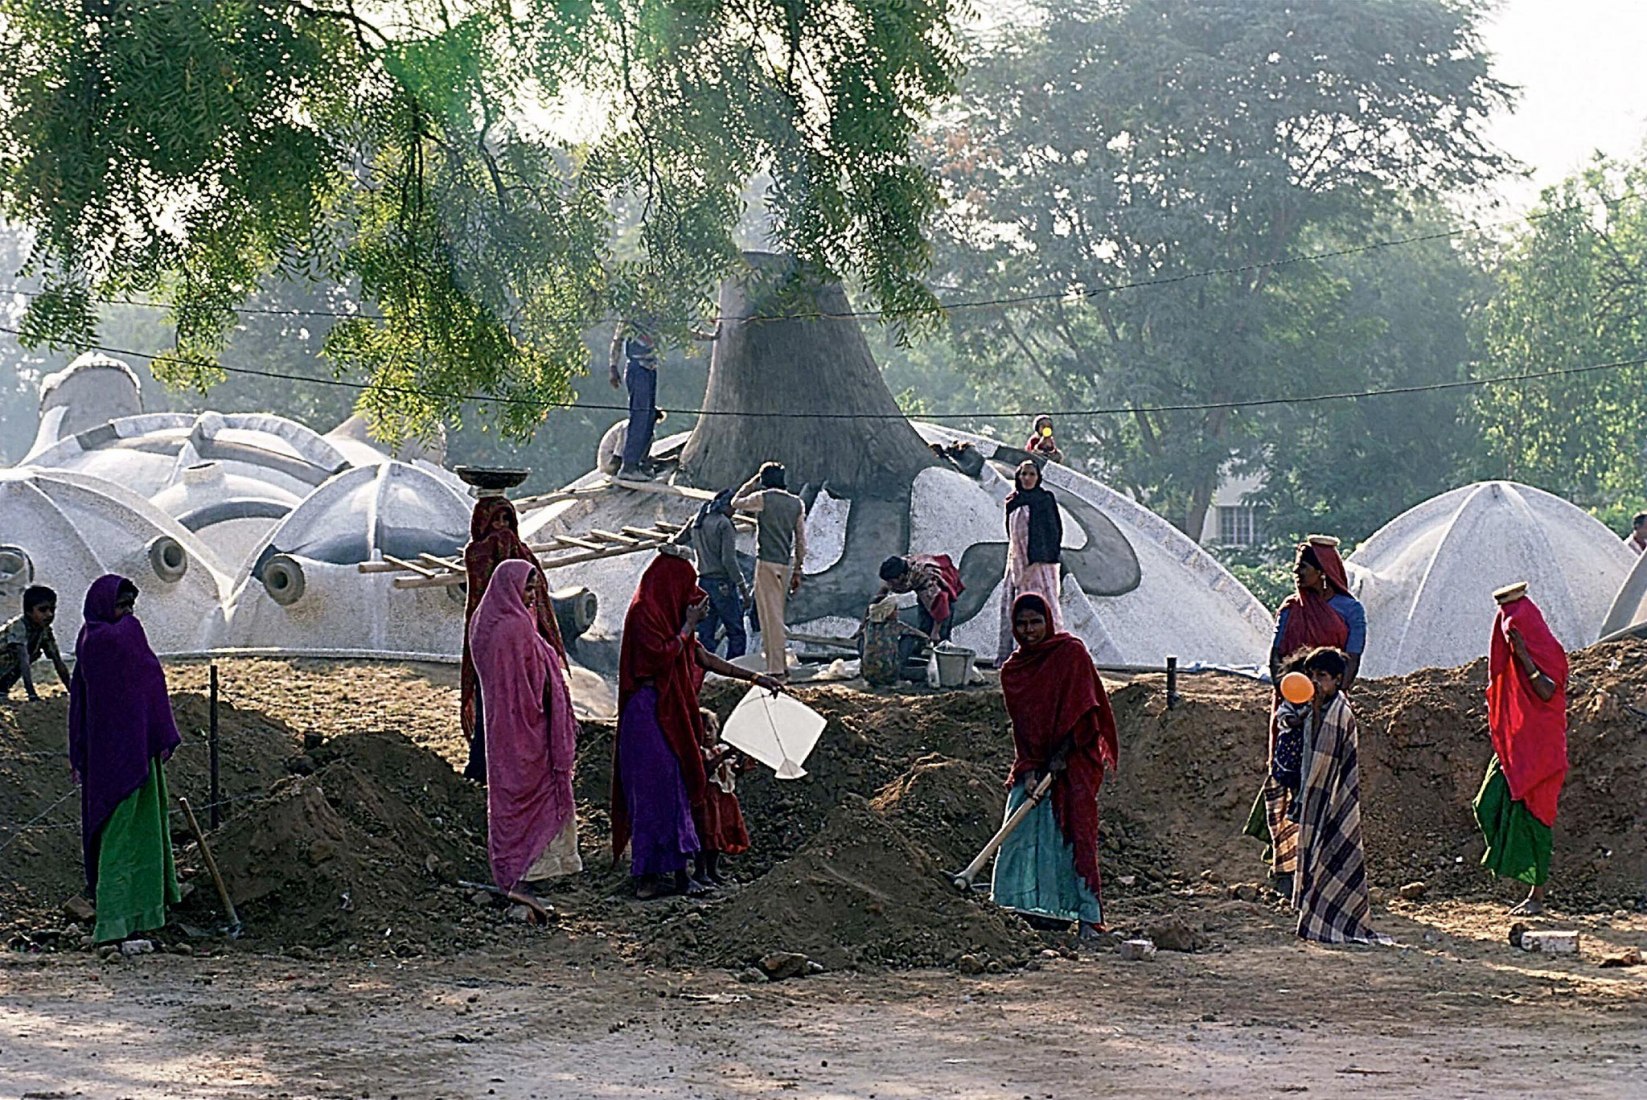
x: 1330, y: 886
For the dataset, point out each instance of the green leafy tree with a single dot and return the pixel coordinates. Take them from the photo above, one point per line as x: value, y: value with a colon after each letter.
x: 1386, y: 319
x: 1571, y: 291
x: 1139, y: 143
x: 459, y: 167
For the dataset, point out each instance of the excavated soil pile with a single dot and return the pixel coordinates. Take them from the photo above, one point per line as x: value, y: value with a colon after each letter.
x: 359, y: 848
x: 40, y: 806
x: 1189, y: 775
x: 859, y: 893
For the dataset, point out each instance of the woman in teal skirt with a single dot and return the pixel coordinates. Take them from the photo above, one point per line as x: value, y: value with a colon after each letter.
x: 1062, y: 724
x: 121, y: 732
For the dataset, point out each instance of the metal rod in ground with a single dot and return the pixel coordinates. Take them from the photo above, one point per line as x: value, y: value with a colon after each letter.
x: 211, y: 868
x: 1172, y: 682
x: 217, y: 796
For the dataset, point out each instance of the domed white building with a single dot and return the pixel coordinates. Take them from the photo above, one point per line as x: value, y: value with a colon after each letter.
x: 64, y: 530
x: 303, y: 592
x: 1427, y: 577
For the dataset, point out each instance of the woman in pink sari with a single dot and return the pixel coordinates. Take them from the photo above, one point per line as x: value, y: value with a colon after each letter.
x: 1035, y: 536
x: 531, y: 736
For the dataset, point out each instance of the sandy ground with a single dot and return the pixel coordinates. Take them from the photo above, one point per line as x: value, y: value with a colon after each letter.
x: 1451, y: 1011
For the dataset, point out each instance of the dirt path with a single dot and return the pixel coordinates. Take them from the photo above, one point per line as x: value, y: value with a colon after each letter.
x: 1455, y: 1013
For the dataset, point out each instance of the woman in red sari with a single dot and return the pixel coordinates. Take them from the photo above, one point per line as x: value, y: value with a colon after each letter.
x: 1062, y: 723
x: 1320, y: 613
x: 1527, y: 717
x: 494, y: 538
x: 659, y: 788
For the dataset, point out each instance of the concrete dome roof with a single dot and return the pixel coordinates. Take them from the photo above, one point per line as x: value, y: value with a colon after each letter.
x: 1136, y: 589
x: 1426, y: 578
x: 302, y: 590
x: 64, y: 530
x: 149, y: 452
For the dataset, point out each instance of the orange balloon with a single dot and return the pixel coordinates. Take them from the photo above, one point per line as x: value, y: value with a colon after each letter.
x: 1297, y: 688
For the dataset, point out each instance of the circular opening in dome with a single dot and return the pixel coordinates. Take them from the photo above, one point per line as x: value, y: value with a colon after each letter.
x: 283, y: 580
x: 168, y: 559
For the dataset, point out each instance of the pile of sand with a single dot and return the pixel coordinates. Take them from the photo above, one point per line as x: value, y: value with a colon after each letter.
x: 357, y: 844
x: 367, y: 846
x: 860, y: 893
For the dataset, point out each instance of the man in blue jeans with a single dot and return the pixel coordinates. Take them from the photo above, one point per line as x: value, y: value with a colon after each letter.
x: 635, y: 344
x: 715, y: 541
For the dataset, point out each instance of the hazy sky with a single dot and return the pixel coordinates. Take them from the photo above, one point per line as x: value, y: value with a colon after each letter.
x: 1580, y: 65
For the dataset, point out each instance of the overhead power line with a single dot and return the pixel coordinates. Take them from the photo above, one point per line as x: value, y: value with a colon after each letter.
x: 979, y: 414
x: 1009, y: 301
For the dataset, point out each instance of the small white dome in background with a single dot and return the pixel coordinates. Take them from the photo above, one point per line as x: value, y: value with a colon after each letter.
x: 1427, y: 577
x: 229, y: 512
x: 91, y: 390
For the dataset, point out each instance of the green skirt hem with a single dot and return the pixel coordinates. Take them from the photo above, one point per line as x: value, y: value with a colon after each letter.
x: 136, y: 874
x: 1519, y: 845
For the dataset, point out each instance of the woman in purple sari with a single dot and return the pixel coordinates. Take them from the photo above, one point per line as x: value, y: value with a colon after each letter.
x: 121, y: 732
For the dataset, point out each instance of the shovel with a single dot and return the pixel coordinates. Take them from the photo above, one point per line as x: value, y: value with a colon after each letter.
x: 211, y: 867
x: 962, y: 880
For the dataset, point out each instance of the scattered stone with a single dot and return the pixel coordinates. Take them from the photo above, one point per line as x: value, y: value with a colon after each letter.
x: 304, y: 954
x: 1517, y: 930
x: 1412, y: 891
x: 521, y: 913
x: 752, y: 976
x: 1248, y: 891
x: 1172, y: 933
x: 109, y: 952
x: 1135, y: 950
x: 481, y: 898
x: 182, y: 949
x: 1048, y: 953
x: 79, y: 909
x: 1128, y: 880
x: 302, y: 764
x: 780, y: 966
x: 137, y: 947
x: 970, y: 964
x: 814, y: 967
x: 1630, y: 956
x: 1550, y: 943
x: 87, y: 941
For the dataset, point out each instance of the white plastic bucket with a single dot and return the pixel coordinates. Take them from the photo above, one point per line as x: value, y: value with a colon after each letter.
x: 954, y: 665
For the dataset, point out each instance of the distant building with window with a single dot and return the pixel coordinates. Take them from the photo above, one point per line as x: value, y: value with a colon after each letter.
x: 1231, y: 520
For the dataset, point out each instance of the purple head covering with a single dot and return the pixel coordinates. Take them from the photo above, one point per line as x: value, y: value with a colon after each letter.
x: 120, y: 716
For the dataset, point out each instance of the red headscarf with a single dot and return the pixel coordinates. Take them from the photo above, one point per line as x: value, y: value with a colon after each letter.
x: 1529, y: 733
x: 1311, y: 621
x: 490, y: 546
x: 655, y: 652
x: 1053, y: 693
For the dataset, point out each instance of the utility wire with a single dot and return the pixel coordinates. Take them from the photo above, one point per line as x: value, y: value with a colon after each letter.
x: 1002, y: 302
x: 980, y: 414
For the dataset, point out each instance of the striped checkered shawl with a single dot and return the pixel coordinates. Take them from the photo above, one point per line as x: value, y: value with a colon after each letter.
x: 1330, y: 887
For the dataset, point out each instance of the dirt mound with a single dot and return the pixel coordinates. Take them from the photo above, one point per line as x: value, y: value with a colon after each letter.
x: 1188, y: 777
x: 361, y: 848
x: 952, y: 807
x: 859, y: 893
x: 40, y: 806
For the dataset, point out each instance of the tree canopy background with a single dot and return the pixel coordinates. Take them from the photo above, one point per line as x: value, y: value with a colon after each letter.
x: 1135, y: 204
